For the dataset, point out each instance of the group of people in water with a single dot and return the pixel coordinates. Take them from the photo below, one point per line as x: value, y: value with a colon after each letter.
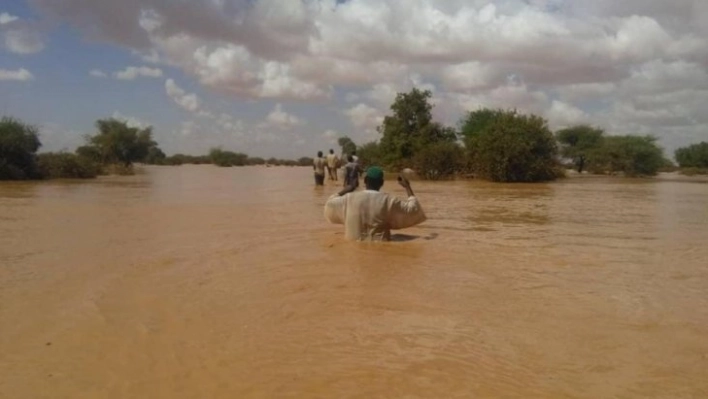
x: 329, y: 165
x: 369, y: 214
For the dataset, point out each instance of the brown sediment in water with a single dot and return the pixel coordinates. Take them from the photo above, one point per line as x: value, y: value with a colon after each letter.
x: 201, y: 282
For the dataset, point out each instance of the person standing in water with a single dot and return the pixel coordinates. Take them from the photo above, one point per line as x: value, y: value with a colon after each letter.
x: 351, y: 173
x: 332, y: 165
x: 319, y: 166
x: 370, y: 215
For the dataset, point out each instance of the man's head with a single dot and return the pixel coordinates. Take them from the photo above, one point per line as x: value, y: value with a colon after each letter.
x: 350, y: 158
x: 331, y: 151
x: 319, y: 154
x: 353, y: 152
x: 374, y: 178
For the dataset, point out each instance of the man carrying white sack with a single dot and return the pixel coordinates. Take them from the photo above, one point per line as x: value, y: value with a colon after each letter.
x: 370, y: 215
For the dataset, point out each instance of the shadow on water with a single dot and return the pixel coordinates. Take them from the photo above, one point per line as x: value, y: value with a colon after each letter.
x: 408, y: 237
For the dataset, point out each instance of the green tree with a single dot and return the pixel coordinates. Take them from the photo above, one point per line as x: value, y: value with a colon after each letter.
x: 631, y: 155
x: 19, y: 143
x: 438, y: 161
x: 220, y: 157
x: 410, y: 127
x: 693, y: 156
x: 155, y: 156
x: 369, y: 155
x: 347, y: 145
x: 579, y: 143
x: 116, y: 142
x: 506, y: 146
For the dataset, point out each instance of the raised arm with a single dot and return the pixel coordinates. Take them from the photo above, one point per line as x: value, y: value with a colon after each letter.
x: 408, y: 212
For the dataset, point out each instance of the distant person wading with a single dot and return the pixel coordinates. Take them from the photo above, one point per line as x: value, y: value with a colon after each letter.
x: 332, y: 165
x: 370, y: 215
x: 318, y: 165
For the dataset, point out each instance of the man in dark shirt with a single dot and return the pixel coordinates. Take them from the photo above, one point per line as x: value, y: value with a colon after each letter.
x: 351, y: 173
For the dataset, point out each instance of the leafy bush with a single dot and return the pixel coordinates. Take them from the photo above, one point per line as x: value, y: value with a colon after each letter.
x: 65, y: 165
x: 579, y: 143
x: 506, y: 146
x: 305, y: 161
x: 694, y: 171
x: 369, y: 155
x: 631, y: 155
x: 438, y: 161
x: 19, y: 143
x: 693, y: 156
x: 255, y: 161
x: 223, y: 158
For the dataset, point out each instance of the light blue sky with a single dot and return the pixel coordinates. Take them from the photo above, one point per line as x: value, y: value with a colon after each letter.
x: 294, y: 76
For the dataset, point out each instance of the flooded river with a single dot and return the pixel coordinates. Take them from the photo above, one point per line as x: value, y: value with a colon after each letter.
x: 205, y: 282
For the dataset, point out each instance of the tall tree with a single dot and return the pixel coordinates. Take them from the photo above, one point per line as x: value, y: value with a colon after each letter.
x: 347, y: 145
x: 116, y: 142
x: 506, y: 146
x: 19, y: 143
x: 579, y: 142
x: 410, y: 127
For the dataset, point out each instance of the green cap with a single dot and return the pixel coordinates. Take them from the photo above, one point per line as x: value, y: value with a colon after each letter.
x: 375, y: 173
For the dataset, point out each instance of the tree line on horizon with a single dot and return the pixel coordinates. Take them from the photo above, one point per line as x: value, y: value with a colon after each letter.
x: 113, y: 149
x: 504, y: 145
x: 493, y: 144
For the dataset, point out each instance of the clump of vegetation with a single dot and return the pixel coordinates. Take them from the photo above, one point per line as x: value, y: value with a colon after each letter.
x: 694, y: 171
x: 19, y: 143
x: 223, y: 158
x: 693, y: 156
x: 579, y: 143
x: 630, y: 155
x: 118, y: 143
x: 438, y: 161
x: 369, y: 154
x: 65, y: 165
x: 506, y: 146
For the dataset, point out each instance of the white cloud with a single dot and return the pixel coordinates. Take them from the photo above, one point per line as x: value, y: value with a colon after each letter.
x: 618, y: 62
x: 97, y: 73
x: 562, y: 115
x: 23, y: 40
x: 331, y: 136
x: 130, y: 121
x: 190, y: 102
x: 280, y: 119
x: 17, y: 75
x: 6, y: 18
x: 131, y: 72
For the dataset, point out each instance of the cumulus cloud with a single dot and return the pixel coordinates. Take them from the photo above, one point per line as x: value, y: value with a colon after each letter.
x: 619, y: 62
x: 6, y: 18
x: 190, y: 101
x: 130, y: 120
x: 97, y: 73
x: 131, y: 72
x: 330, y: 136
x: 23, y: 40
x: 16, y: 75
x: 280, y: 119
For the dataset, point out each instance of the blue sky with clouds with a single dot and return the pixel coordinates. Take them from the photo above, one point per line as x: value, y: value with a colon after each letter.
x: 287, y: 78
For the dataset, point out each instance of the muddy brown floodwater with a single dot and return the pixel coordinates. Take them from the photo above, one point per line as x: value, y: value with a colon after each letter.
x: 205, y: 282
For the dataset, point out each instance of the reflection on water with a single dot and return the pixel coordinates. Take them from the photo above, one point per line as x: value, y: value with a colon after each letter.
x: 204, y: 282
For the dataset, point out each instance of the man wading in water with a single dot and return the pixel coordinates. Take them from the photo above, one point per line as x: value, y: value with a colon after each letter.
x: 319, y: 166
x: 370, y: 215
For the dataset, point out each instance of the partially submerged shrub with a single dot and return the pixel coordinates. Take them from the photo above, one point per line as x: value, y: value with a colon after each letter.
x: 65, y: 165
x: 438, y: 161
